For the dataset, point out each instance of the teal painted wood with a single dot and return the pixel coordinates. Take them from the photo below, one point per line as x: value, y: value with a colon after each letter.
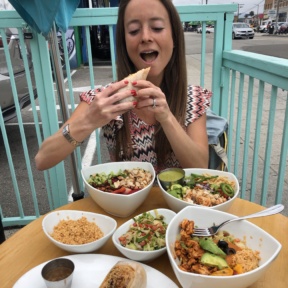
x: 204, y: 11
x: 16, y: 221
x: 231, y: 117
x: 227, y: 45
x: 9, y: 19
x: 6, y: 142
x: 254, y: 178
x: 112, y: 49
x: 269, y: 69
x: 90, y: 63
x: 12, y: 169
x: 68, y: 71
x: 72, y: 103
x: 245, y: 177
x: 44, y: 82
x: 203, y: 54
x: 266, y: 173
x: 283, y: 159
x: 24, y: 142
x: 40, y: 89
x: 221, y: 102
x: 99, y: 16
x: 247, y: 135
x: 238, y: 128
x: 92, y: 83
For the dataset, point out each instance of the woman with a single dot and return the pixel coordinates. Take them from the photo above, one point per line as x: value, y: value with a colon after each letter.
x: 165, y: 126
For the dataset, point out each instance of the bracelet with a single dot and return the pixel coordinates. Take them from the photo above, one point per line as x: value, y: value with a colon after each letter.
x: 68, y: 137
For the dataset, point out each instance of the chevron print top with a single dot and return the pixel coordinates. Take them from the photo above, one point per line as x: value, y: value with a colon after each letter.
x: 142, y: 134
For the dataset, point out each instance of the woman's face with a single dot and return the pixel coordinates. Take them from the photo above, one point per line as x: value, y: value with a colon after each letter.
x: 148, y: 36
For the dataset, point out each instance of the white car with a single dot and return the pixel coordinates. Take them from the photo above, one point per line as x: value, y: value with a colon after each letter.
x: 242, y: 30
x: 209, y: 29
x: 263, y: 27
x: 6, y: 96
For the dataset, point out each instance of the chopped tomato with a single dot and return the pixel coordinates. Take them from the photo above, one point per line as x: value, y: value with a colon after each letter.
x: 123, y: 240
x: 120, y: 190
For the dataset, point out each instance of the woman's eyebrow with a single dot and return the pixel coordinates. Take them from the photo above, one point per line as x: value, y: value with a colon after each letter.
x: 132, y: 21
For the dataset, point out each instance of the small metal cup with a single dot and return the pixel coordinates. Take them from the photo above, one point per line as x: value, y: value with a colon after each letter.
x: 58, y: 273
x: 166, y: 184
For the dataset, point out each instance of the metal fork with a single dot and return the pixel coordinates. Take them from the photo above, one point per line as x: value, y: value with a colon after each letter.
x: 209, y: 231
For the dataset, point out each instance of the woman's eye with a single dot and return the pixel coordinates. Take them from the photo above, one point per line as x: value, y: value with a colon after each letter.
x: 133, y: 32
x: 158, y: 29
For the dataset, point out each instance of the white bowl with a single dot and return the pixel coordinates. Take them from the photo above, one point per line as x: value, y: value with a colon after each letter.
x: 256, y: 239
x: 135, y: 254
x: 177, y: 204
x: 117, y: 204
x: 107, y: 225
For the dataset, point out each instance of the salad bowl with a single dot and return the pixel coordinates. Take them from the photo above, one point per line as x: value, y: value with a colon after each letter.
x: 132, y: 252
x: 177, y: 204
x: 254, y: 238
x: 120, y: 205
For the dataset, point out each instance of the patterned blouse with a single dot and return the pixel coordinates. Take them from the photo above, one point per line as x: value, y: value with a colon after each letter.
x: 142, y: 134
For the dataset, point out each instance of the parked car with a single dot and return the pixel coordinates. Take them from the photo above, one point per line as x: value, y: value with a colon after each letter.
x: 187, y: 26
x: 242, y: 30
x: 263, y: 27
x: 6, y: 96
x: 209, y: 29
x: 282, y: 28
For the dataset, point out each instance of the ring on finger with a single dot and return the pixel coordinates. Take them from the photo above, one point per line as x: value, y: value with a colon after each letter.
x: 154, y: 103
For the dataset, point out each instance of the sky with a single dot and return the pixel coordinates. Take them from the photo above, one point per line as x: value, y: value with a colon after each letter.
x: 246, y: 5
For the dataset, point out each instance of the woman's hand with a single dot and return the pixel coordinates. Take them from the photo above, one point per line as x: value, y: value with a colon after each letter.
x: 151, y: 97
x: 83, y: 121
x: 106, y: 107
x: 191, y: 145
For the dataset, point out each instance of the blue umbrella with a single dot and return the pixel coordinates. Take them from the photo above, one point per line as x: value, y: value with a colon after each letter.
x: 42, y: 14
x: 45, y: 17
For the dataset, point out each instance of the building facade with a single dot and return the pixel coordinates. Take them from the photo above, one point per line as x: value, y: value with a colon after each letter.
x: 274, y: 8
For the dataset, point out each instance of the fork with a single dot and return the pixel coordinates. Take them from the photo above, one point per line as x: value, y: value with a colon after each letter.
x: 209, y: 231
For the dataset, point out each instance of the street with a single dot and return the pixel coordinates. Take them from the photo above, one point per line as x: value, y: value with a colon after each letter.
x: 262, y: 43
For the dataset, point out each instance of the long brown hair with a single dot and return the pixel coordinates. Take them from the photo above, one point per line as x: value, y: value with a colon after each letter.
x: 174, y: 83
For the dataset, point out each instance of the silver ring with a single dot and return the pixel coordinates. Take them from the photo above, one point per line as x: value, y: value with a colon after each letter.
x: 154, y: 103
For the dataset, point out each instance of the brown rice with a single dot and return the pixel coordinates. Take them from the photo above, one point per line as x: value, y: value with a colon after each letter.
x: 76, y: 232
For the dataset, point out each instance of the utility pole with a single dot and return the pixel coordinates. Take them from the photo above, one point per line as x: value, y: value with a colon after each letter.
x: 239, y: 6
x: 258, y: 16
x: 277, y: 14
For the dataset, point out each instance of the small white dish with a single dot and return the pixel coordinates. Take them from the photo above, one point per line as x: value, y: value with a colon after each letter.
x: 105, y: 223
x: 136, y: 254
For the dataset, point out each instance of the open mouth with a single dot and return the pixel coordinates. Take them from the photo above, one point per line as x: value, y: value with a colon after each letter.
x: 149, y: 56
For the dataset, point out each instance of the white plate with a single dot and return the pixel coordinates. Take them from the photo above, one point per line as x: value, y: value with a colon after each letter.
x: 90, y: 271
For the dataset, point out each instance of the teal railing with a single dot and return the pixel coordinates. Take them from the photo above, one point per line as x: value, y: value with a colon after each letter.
x: 242, y: 83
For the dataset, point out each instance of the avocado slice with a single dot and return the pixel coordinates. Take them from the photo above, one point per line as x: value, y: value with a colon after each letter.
x: 209, y: 245
x: 131, y: 246
x: 213, y: 260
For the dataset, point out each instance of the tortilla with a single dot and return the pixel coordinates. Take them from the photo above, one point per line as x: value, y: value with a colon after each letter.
x: 140, y: 75
x: 125, y: 274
